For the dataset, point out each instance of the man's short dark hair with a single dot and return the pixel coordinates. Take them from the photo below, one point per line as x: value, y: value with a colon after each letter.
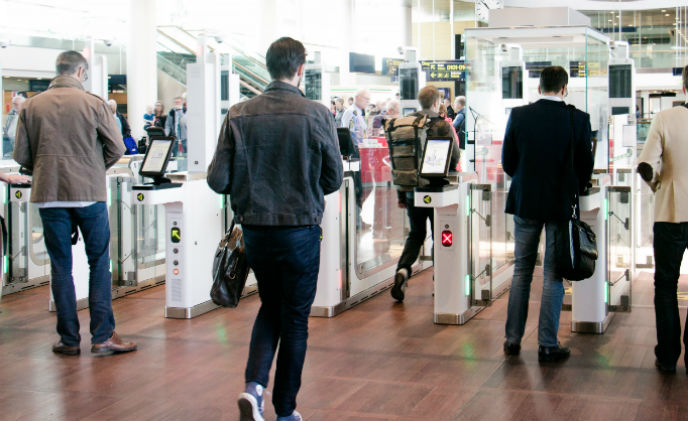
x: 553, y: 79
x: 284, y: 57
x: 685, y: 77
x: 428, y: 96
x: 68, y: 62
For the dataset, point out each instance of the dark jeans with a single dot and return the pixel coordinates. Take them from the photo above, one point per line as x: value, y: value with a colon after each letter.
x: 527, y: 238
x: 670, y: 241
x: 416, y: 237
x: 95, y: 228
x: 286, y: 261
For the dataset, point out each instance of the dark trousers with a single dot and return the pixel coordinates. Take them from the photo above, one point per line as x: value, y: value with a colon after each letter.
x: 57, y: 230
x: 416, y: 237
x: 286, y: 262
x: 670, y: 241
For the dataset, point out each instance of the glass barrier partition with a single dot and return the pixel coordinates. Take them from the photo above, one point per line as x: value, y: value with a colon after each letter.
x: 619, y: 247
x: 381, y: 225
x: 479, y: 208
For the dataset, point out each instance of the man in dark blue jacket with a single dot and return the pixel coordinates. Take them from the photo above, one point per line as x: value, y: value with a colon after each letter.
x: 277, y: 156
x: 536, y: 154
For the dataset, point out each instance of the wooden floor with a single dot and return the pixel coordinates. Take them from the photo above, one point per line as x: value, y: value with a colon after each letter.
x: 380, y: 360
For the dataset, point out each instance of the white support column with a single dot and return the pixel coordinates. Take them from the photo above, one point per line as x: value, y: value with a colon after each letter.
x: 142, y: 70
x: 407, y: 13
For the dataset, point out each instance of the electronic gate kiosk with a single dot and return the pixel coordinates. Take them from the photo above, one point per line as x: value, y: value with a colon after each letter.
x: 193, y: 212
x: 453, y: 303
x: 589, y: 297
x: 20, y: 194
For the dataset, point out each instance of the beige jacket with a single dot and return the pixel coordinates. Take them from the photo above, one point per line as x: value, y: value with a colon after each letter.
x: 666, y: 150
x: 68, y: 137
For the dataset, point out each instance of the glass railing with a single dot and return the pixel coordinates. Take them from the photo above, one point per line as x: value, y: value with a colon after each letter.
x: 175, y: 44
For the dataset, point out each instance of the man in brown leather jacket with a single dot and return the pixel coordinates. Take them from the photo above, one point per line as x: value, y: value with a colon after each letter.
x: 68, y: 138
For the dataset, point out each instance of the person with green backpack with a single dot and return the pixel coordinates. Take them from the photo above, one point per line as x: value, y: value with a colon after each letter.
x: 406, y: 139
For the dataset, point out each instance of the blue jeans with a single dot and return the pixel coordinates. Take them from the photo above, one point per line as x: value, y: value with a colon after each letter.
x: 527, y: 237
x: 95, y: 228
x: 669, y: 243
x: 286, y: 261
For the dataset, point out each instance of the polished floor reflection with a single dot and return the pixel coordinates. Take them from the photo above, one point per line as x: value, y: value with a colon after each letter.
x: 379, y: 360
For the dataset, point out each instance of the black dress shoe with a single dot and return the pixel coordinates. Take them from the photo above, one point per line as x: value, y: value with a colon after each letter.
x: 664, y: 368
x: 60, y: 348
x: 550, y: 354
x: 511, y: 349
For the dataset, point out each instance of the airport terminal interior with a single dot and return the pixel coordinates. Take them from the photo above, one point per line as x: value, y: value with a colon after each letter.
x: 438, y: 355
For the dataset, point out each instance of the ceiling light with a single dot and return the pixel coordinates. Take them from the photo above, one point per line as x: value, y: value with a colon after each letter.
x: 666, y: 14
x: 610, y: 20
x: 663, y: 10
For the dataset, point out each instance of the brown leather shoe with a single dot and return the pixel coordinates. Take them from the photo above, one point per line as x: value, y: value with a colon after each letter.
x: 114, y: 345
x: 60, y: 348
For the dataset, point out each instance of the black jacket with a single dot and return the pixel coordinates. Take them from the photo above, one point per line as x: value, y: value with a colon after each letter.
x: 277, y: 156
x: 536, y: 155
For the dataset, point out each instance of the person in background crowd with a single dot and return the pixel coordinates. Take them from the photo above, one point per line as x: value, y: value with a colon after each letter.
x: 354, y: 116
x: 159, y: 116
x: 175, y: 125
x: 148, y: 117
x: 537, y: 156
x: 280, y: 208
x: 460, y: 120
x: 121, y: 121
x: 339, y: 111
x: 662, y: 166
x: 349, y: 102
x: 450, y: 110
x: 9, y: 129
x: 68, y: 138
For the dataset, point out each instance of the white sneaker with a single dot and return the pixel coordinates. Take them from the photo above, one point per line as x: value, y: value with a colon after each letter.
x: 251, y: 403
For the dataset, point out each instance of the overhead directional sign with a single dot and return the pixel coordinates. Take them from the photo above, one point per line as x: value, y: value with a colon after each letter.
x: 443, y: 70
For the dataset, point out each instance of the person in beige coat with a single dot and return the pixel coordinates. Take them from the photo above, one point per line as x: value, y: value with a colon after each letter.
x: 68, y: 138
x: 662, y: 165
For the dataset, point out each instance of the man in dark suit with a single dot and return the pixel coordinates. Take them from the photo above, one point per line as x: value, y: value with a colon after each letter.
x: 536, y: 155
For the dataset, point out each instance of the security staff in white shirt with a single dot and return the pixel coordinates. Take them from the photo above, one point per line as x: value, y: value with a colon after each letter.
x: 353, y: 117
x: 9, y: 129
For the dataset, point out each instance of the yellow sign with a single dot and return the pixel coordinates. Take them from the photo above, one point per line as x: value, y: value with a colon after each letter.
x: 427, y: 199
x: 139, y: 197
x: 18, y: 194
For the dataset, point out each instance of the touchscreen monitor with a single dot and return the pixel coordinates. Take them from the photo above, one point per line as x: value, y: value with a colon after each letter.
x: 157, y: 156
x: 436, y: 157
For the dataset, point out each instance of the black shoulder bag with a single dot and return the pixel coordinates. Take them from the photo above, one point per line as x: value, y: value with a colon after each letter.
x: 575, y: 242
x: 230, y: 268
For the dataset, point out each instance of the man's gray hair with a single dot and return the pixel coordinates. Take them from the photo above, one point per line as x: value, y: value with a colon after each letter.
x: 461, y: 100
x: 68, y: 62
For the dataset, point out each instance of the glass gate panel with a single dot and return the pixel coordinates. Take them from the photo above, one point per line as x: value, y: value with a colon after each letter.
x: 381, y: 225
x: 479, y: 208
x: 620, y: 247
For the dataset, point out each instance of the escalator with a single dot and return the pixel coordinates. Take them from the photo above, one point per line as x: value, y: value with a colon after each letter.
x: 176, y: 48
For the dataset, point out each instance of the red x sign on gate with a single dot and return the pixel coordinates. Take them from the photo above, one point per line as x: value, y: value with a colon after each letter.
x: 447, y: 238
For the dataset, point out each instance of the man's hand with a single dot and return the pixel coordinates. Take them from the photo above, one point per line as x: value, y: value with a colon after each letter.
x: 18, y: 179
x: 401, y: 204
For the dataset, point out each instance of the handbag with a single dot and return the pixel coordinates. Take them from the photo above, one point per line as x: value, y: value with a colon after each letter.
x: 575, y: 244
x: 230, y: 269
